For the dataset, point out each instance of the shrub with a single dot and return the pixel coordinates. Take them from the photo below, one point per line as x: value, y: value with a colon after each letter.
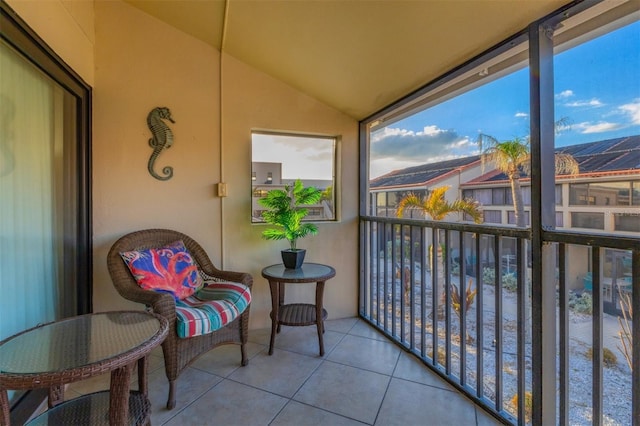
x: 625, y: 328
x: 510, y: 282
x: 581, y: 303
x: 442, y: 355
x: 455, y: 268
x: 609, y: 359
x: 488, y: 276
x: 456, y: 302
x: 528, y: 405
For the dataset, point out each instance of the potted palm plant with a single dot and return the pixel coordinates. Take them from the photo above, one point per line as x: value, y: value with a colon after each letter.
x: 286, y: 208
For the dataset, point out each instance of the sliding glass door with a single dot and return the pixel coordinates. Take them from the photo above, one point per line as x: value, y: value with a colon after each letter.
x: 45, y: 256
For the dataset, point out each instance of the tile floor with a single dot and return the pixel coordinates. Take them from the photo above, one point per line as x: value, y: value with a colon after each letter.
x: 363, y: 379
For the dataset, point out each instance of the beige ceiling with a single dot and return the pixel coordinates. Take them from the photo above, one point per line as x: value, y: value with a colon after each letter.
x: 357, y: 56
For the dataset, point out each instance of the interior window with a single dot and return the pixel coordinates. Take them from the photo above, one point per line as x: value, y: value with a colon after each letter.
x: 278, y: 159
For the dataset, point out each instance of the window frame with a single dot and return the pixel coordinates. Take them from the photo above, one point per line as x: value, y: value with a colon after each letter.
x: 556, y: 30
x: 280, y: 182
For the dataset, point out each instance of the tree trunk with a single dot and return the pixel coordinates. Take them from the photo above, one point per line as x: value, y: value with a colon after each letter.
x: 516, y: 194
x: 438, y: 278
x: 518, y: 206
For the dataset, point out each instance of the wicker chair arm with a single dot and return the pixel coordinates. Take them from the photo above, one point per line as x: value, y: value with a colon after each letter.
x: 165, y: 305
x: 236, y: 277
x: 161, y: 303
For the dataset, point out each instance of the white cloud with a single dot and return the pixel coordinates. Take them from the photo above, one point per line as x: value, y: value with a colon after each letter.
x: 432, y: 130
x: 301, y: 157
x: 590, y: 103
x: 564, y: 94
x: 632, y: 110
x: 603, y: 126
x: 393, y: 148
x: 521, y: 115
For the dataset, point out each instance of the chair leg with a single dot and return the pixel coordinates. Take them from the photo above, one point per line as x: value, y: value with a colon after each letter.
x: 171, y: 402
x: 243, y: 351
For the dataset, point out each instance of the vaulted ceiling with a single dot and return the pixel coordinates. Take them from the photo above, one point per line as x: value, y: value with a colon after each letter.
x: 357, y: 56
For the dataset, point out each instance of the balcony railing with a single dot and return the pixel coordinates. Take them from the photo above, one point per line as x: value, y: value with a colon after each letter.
x: 465, y: 309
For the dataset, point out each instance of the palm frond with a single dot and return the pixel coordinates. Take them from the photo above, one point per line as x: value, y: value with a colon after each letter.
x: 470, y: 207
x: 561, y: 125
x: 565, y: 164
x: 286, y: 212
x: 307, y: 196
x: 486, y: 140
x: 437, y: 207
x: 508, y: 156
x: 274, y: 234
x: 408, y: 202
x: 275, y: 199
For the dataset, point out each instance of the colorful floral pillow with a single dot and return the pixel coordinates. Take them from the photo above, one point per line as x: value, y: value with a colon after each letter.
x: 168, y: 269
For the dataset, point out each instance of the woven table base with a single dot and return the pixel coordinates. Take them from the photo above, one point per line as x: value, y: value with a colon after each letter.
x: 93, y: 409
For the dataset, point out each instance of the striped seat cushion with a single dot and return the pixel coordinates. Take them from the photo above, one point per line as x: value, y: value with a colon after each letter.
x: 211, y: 308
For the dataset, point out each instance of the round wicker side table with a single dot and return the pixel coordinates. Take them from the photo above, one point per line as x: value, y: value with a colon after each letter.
x: 297, y: 314
x: 76, y: 348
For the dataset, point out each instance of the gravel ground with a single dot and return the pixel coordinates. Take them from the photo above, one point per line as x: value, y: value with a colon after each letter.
x: 616, y: 404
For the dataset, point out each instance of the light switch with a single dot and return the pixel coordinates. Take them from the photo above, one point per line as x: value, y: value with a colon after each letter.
x: 222, y: 189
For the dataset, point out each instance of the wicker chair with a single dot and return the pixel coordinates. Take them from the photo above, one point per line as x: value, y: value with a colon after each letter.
x: 178, y: 352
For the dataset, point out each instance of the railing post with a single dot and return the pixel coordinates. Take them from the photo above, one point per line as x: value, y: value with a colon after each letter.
x: 497, y: 244
x: 479, y: 319
x: 563, y: 313
x: 596, y: 339
x: 523, y: 326
x: 635, y: 330
x: 542, y: 218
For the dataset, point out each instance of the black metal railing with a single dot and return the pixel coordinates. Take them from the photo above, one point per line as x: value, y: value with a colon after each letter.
x: 458, y: 296
x: 615, y: 295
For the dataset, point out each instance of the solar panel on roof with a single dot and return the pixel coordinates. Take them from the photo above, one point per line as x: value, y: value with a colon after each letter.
x: 497, y: 178
x: 608, y: 155
x: 626, y: 161
x: 595, y: 147
x: 413, y: 178
x: 597, y: 163
x: 422, y: 173
x: 629, y: 144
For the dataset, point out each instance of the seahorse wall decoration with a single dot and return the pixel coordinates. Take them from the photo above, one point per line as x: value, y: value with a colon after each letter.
x: 162, y: 139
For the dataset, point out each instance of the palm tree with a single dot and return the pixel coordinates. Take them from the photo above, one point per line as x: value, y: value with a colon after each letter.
x: 435, y: 206
x: 513, y: 158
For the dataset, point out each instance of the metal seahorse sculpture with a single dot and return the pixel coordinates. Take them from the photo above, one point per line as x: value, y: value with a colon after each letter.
x: 162, y: 139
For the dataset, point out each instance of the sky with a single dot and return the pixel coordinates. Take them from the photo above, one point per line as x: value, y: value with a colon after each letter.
x: 302, y: 157
x: 597, y: 91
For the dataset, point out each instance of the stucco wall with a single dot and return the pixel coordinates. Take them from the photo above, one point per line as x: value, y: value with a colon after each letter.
x: 66, y: 26
x: 141, y: 63
x: 253, y: 100
x: 134, y: 63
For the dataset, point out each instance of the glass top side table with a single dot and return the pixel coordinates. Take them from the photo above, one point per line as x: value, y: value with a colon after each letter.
x: 76, y: 348
x: 297, y: 314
